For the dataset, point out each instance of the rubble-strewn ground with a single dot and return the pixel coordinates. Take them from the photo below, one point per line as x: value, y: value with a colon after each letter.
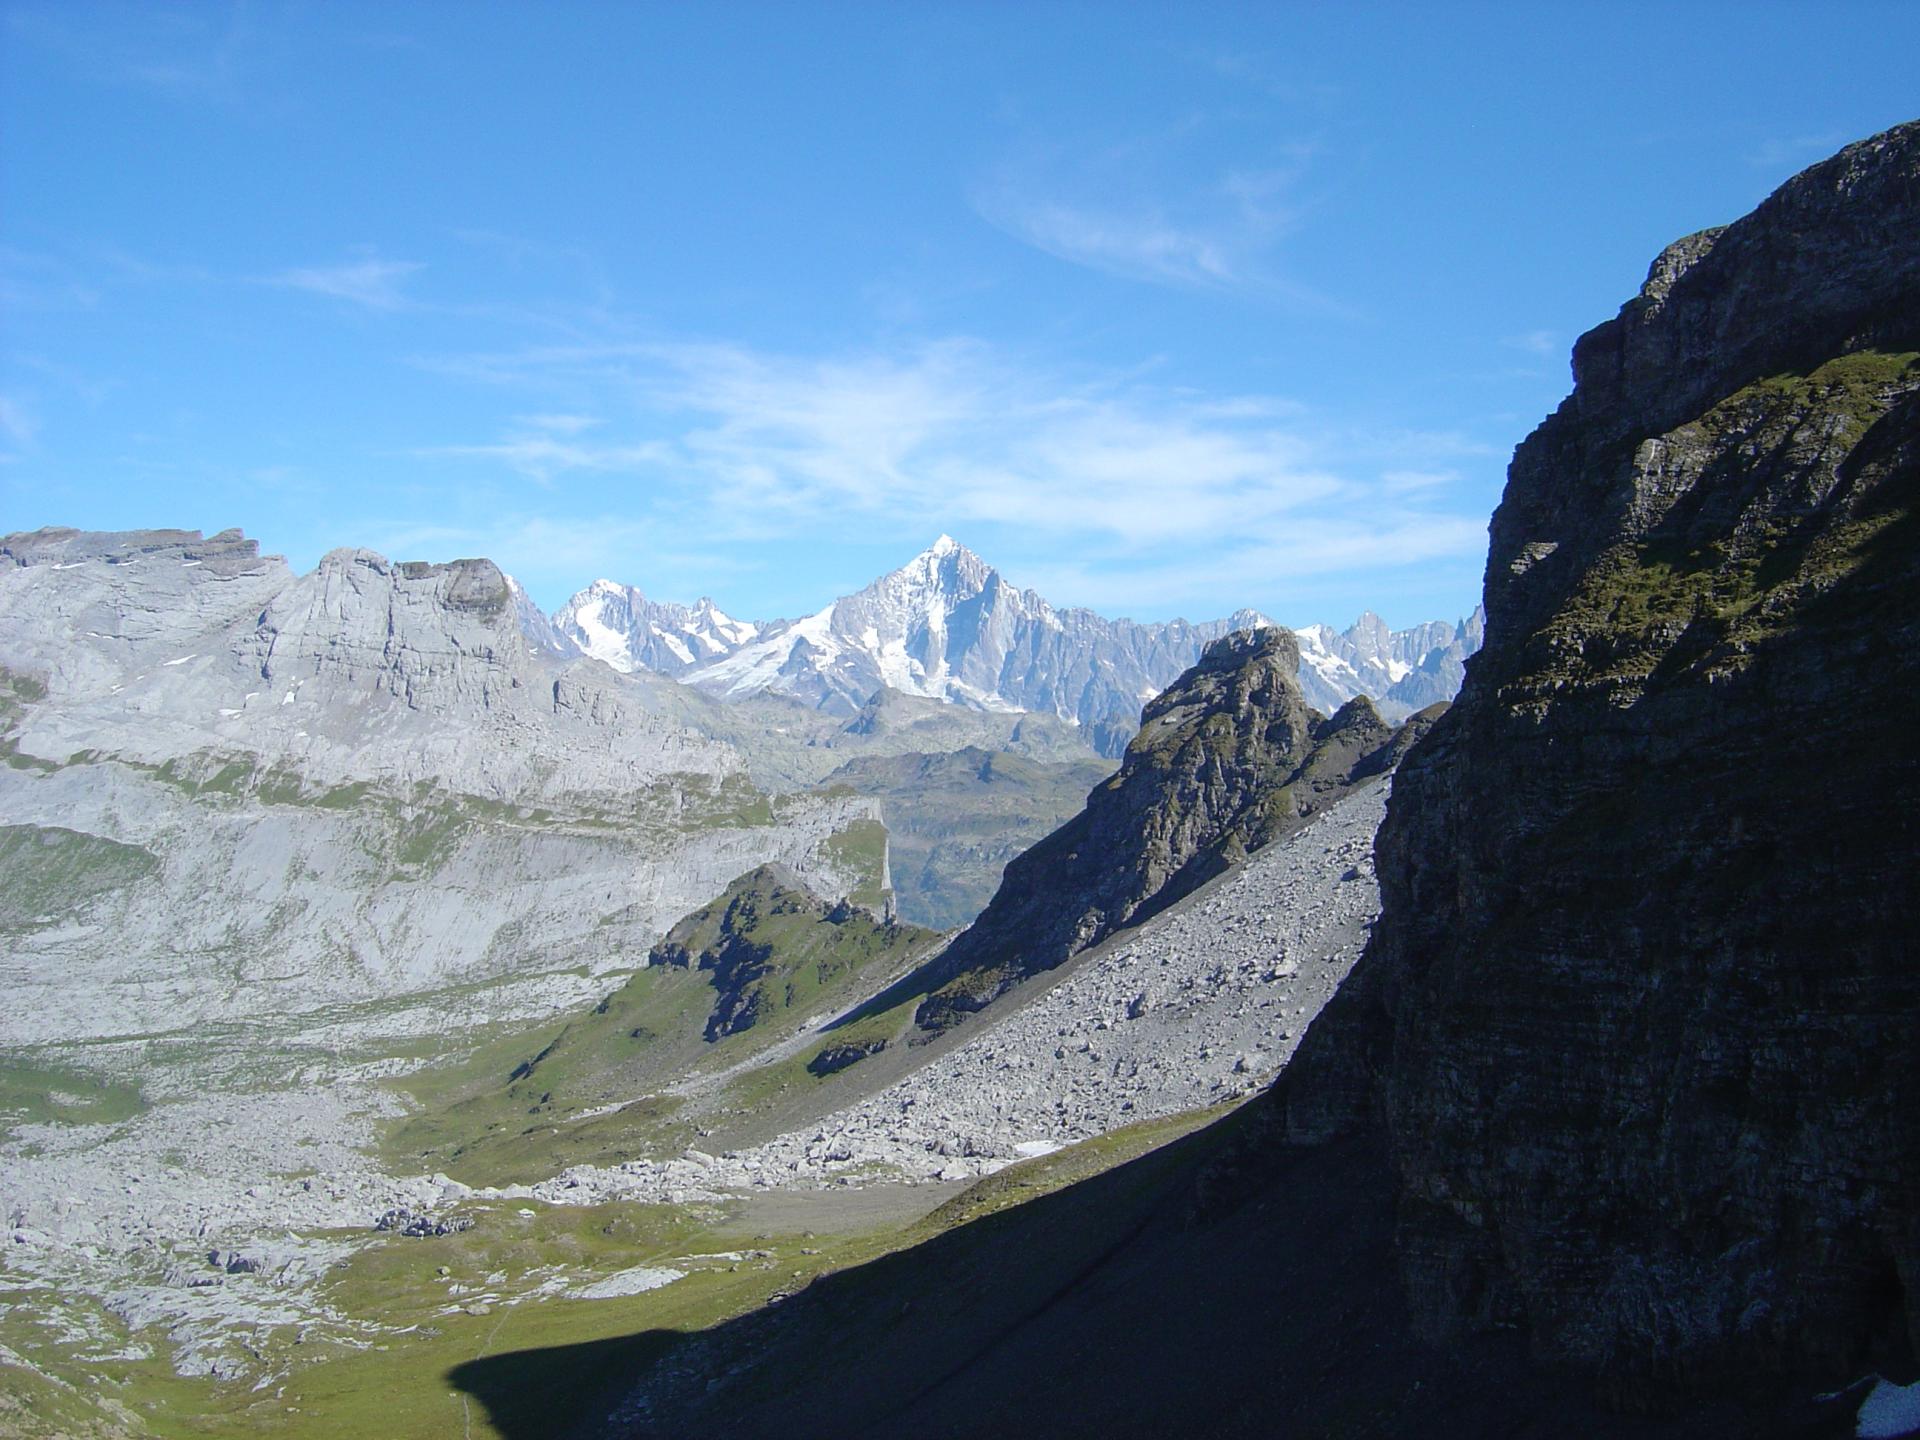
x: 1200, y: 1005
x: 226, y: 1230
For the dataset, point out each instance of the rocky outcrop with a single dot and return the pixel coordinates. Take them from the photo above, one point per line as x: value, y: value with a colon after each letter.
x: 1640, y: 1019
x: 770, y: 944
x: 835, y: 1058
x: 745, y: 980
x: 1228, y: 759
x: 162, y: 647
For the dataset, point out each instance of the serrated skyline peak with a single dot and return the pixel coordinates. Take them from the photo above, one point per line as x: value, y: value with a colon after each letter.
x: 947, y: 625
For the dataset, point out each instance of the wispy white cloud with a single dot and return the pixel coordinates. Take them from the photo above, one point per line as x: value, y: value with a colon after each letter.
x: 1131, y: 211
x: 543, y: 447
x: 128, y: 268
x: 374, y: 283
x: 1143, y: 245
x: 30, y: 281
x: 560, y: 424
x: 544, y: 459
x: 954, y: 430
x: 1254, y: 564
x: 89, y: 388
x: 1407, y: 482
x: 1544, y: 343
x: 1173, y: 490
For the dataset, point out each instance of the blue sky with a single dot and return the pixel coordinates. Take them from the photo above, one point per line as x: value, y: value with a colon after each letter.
x: 1163, y: 310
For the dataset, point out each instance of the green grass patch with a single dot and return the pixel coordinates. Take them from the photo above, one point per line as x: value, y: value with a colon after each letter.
x: 33, y: 1091
x: 17, y: 693
x: 766, y: 1088
x: 51, y: 872
x: 389, y: 1372
x: 38, y: 1407
x: 564, y: 1350
x: 388, y: 1377
x: 1856, y: 387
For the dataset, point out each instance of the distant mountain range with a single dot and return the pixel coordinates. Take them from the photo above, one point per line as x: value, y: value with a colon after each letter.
x: 948, y: 626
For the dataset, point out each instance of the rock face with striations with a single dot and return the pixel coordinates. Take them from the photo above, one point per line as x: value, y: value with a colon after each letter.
x: 237, y: 791
x: 1641, y: 1018
x: 163, y: 647
x: 1229, y: 758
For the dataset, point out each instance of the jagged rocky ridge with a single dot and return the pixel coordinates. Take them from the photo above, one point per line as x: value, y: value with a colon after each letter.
x: 1228, y: 758
x: 618, y: 624
x: 161, y: 646
x: 1640, y: 1019
x: 949, y: 626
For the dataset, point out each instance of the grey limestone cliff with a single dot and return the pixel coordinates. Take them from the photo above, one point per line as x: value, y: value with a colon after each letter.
x: 346, y: 785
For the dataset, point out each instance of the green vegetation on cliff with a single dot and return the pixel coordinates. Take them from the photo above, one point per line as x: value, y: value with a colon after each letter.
x: 1747, y: 540
x: 1637, y: 1022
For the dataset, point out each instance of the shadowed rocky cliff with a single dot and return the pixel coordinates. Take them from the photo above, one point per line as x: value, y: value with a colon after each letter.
x: 1639, y: 1018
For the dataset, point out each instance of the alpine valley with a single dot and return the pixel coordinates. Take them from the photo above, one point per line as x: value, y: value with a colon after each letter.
x: 947, y: 1014
x: 331, y: 896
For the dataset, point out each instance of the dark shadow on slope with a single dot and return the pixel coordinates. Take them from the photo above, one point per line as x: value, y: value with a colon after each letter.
x: 1213, y: 1287
x: 540, y: 1394
x: 918, y: 982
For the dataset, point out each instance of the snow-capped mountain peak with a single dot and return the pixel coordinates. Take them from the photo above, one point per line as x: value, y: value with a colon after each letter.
x: 948, y: 626
x: 620, y: 625
x: 942, y: 575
